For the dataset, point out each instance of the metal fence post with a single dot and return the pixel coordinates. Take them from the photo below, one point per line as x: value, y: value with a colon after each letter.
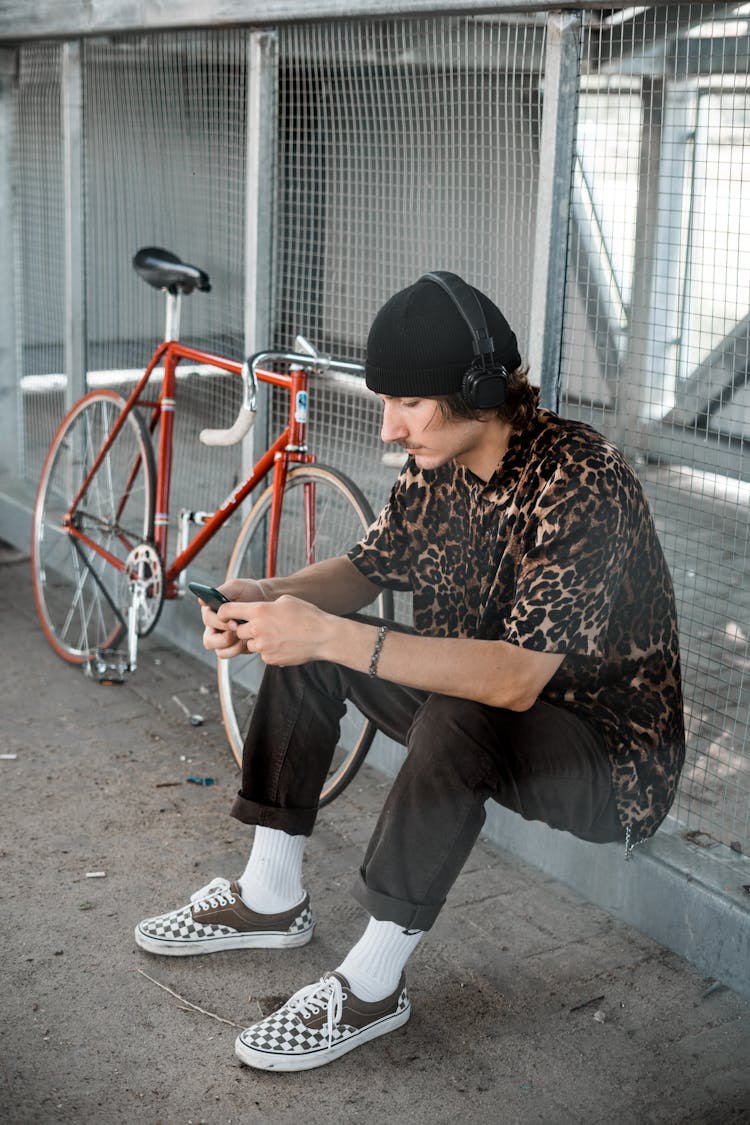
x: 561, y: 73
x: 10, y: 452
x: 262, y: 79
x: 645, y: 382
x: 75, y: 248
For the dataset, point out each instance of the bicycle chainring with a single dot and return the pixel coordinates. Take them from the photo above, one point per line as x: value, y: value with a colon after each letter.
x: 142, y: 585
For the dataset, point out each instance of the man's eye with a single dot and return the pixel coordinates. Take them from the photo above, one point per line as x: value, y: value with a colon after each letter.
x: 409, y: 403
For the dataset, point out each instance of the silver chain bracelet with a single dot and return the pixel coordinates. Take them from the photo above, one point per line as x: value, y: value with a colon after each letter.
x: 373, y: 669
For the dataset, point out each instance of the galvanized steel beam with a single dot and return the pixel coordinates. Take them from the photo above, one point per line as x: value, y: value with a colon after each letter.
x: 10, y: 455
x: 75, y: 245
x: 262, y: 128
x: 45, y: 19
x: 561, y: 70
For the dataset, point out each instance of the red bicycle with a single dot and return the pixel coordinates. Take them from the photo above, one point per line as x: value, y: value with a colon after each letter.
x: 100, y: 557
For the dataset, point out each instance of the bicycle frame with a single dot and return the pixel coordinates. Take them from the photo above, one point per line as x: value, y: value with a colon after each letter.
x: 287, y: 449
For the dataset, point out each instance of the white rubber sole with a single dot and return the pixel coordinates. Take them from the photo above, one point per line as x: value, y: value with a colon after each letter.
x: 170, y: 947
x: 277, y: 1060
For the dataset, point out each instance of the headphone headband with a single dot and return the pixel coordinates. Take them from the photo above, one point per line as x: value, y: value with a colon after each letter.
x: 467, y: 303
x: 484, y: 385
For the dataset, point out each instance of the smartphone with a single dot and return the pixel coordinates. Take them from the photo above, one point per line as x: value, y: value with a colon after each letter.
x: 208, y: 594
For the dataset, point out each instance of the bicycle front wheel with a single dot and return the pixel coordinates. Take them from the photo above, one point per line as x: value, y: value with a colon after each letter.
x: 80, y: 592
x: 341, y: 515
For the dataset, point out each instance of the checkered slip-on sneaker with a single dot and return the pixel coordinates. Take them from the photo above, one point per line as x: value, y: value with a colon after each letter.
x: 319, y: 1024
x: 216, y: 918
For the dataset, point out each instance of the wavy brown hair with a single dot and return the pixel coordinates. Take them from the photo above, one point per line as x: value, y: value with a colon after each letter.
x: 519, y: 408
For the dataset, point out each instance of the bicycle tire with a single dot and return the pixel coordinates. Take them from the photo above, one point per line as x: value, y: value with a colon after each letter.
x: 342, y: 515
x: 76, y: 590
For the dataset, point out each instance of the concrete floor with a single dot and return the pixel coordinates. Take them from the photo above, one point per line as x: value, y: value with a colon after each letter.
x: 530, y: 1005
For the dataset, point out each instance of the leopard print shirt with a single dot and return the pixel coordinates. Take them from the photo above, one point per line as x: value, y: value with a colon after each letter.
x: 557, y: 552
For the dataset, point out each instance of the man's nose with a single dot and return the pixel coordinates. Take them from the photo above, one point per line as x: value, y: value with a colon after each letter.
x: 391, y: 427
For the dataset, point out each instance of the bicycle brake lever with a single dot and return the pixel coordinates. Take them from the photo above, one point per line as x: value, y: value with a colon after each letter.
x: 303, y: 345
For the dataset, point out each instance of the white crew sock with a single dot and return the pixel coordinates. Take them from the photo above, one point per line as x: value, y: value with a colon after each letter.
x: 374, y: 965
x: 272, y: 880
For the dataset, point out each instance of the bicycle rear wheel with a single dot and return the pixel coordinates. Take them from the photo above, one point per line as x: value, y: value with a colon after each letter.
x: 81, y: 595
x: 342, y: 514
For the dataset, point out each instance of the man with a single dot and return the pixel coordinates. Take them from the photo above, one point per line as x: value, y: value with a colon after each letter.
x: 542, y: 671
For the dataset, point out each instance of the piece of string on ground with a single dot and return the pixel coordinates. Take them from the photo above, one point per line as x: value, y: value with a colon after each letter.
x: 189, y: 1004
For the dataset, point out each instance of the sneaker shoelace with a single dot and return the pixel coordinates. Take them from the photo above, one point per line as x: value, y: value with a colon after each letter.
x: 326, y: 995
x: 216, y: 893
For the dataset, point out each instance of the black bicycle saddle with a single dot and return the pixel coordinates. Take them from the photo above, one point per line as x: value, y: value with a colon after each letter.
x: 165, y: 270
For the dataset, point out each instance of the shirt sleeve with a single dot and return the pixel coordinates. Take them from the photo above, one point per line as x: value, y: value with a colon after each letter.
x: 383, y: 555
x: 568, y: 579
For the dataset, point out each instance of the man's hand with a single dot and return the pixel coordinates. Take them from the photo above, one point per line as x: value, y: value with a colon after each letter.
x: 220, y: 634
x: 334, y: 585
x: 283, y: 632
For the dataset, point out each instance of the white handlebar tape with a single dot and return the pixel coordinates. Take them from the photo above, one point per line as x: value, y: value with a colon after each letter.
x: 242, y: 425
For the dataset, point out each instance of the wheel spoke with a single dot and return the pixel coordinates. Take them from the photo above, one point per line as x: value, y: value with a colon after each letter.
x: 89, y: 571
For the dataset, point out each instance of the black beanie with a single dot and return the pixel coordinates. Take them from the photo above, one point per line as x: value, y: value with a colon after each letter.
x: 419, y: 343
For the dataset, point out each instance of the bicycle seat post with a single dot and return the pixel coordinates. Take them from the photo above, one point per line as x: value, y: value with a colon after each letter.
x: 172, y: 326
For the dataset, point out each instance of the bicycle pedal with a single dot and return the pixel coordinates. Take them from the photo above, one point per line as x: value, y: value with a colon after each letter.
x: 109, y: 667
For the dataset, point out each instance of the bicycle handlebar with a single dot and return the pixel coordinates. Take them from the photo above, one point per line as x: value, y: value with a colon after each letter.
x: 241, y: 426
x: 311, y: 359
x: 244, y: 421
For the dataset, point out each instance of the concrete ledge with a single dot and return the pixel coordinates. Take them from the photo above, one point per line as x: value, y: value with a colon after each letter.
x: 688, y: 898
x: 16, y: 506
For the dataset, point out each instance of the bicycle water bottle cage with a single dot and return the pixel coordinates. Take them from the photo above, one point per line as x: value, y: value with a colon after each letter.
x: 164, y: 270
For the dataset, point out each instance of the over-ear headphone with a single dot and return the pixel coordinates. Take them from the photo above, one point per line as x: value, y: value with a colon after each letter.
x: 485, y: 383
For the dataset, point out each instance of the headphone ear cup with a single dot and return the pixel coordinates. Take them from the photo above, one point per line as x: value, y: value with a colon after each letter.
x: 485, y: 388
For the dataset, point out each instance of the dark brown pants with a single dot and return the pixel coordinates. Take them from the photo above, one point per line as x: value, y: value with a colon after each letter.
x: 544, y: 763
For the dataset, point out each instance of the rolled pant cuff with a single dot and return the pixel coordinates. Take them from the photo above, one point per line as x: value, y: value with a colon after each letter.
x: 386, y: 909
x: 295, y: 822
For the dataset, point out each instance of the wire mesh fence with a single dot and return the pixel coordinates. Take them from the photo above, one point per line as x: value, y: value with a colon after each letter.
x: 404, y: 146
x: 655, y: 347
x: 164, y: 165
x: 411, y: 144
